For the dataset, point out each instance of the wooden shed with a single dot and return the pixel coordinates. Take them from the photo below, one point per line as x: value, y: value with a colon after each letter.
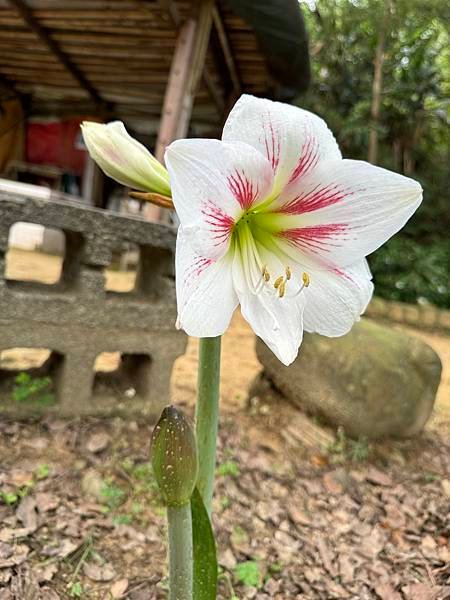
x: 161, y: 66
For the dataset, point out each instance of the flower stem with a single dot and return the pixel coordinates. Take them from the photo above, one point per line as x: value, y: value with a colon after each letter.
x: 181, y: 555
x: 207, y: 416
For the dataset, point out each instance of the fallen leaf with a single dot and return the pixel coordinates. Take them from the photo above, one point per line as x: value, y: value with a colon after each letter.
x: 38, y: 443
x: 98, y: 442
x: 18, y: 557
x: 8, y: 534
x: 421, y: 591
x: 378, y: 477
x: 445, y: 483
x: 61, y: 549
x: 46, y: 502
x: 6, y: 550
x: 118, y: 588
x: 92, y: 484
x: 20, y: 478
x: 326, y: 556
x: 5, y: 576
x: 99, y: 572
x: 26, y: 513
x: 45, y: 572
x: 227, y: 559
x: 48, y: 594
x: 386, y: 592
x: 346, y: 568
x: 331, y: 485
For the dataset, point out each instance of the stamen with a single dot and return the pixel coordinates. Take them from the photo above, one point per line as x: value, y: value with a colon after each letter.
x: 282, y: 289
x: 306, y: 281
x: 278, y: 281
x: 288, y: 273
x: 266, y: 274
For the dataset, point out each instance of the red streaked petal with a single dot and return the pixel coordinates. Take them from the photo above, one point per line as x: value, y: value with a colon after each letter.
x: 343, y: 211
x: 243, y: 189
x: 220, y: 224
x: 205, y: 295
x: 308, y: 159
x: 316, y: 238
x: 319, y: 197
x: 212, y: 183
x: 293, y: 140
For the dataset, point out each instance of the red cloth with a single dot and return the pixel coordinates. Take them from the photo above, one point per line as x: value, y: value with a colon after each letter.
x: 56, y: 143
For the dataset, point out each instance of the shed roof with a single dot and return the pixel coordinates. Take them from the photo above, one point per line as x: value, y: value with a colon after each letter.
x: 82, y: 56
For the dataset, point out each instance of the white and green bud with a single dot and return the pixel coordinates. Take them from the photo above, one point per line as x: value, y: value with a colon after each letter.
x: 123, y: 158
x: 174, y: 457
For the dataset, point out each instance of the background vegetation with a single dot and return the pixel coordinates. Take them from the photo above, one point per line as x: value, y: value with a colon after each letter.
x: 382, y: 82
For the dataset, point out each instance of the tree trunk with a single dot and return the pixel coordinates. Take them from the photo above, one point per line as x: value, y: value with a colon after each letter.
x: 377, y: 85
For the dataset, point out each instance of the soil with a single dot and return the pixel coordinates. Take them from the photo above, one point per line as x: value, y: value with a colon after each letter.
x: 299, y: 512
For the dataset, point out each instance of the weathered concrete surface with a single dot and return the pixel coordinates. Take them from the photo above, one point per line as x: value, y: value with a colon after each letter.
x: 78, y: 319
x: 374, y: 382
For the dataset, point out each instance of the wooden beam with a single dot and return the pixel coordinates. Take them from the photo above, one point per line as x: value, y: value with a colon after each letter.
x: 227, y: 52
x: 27, y: 15
x: 187, y: 66
x: 174, y: 15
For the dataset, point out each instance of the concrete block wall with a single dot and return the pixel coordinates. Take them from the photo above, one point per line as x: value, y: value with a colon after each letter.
x: 77, y: 319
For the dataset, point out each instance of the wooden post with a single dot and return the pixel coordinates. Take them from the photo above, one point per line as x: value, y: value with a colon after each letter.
x: 185, y: 72
x: 92, y: 183
x: 187, y: 66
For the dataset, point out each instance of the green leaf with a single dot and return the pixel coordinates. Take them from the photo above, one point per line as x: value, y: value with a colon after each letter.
x: 248, y: 573
x: 205, y: 558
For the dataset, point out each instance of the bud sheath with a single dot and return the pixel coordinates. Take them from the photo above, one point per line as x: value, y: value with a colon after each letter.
x: 174, y: 457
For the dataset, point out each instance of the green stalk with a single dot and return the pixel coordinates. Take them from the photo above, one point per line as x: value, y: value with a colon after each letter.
x: 207, y: 416
x: 181, y: 555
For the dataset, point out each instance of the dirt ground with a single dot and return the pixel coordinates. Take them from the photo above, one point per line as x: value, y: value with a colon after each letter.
x: 298, y: 512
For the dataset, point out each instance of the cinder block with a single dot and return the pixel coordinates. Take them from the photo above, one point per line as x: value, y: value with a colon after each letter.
x: 78, y: 320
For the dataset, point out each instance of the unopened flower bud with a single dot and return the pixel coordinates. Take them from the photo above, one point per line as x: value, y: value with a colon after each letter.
x: 174, y: 457
x: 123, y: 158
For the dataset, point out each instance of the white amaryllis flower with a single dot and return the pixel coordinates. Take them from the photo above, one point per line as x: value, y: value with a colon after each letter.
x: 272, y: 218
x: 123, y: 158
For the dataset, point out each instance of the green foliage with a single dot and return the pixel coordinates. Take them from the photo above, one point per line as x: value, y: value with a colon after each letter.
x: 43, y: 471
x: 112, y: 495
x: 248, y: 573
x: 36, y: 390
x: 9, y: 498
x: 407, y: 270
x: 205, y: 554
x: 228, y: 467
x: 344, y: 448
x: 76, y: 590
x: 413, y: 127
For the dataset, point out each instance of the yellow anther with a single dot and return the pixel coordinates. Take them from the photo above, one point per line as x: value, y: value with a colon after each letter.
x: 306, y: 279
x: 278, y: 281
x: 266, y: 274
x: 282, y: 288
x: 288, y: 273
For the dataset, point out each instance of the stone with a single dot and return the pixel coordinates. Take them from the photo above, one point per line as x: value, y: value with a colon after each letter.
x: 374, y: 382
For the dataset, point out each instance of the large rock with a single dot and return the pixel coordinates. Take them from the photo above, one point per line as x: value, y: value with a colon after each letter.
x: 375, y: 381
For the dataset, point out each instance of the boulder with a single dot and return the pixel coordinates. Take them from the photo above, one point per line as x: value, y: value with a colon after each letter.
x: 374, y: 382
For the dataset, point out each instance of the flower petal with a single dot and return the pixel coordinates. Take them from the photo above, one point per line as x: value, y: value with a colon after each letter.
x: 277, y: 321
x: 205, y: 295
x: 293, y: 140
x: 344, y: 211
x: 213, y: 183
x: 123, y: 158
x: 336, y: 299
